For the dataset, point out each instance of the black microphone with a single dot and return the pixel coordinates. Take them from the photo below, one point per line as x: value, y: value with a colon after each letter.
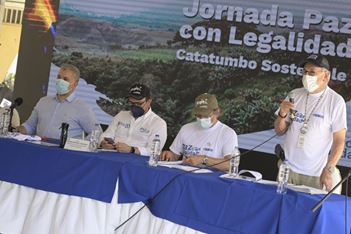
x: 18, y: 101
x: 279, y: 152
x: 292, y: 114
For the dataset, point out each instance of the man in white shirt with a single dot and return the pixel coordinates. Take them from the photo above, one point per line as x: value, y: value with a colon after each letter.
x: 315, y: 132
x: 133, y: 131
x: 206, y: 141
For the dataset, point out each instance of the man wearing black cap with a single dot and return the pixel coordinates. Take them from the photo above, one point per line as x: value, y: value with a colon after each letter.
x: 133, y: 131
x: 314, y: 121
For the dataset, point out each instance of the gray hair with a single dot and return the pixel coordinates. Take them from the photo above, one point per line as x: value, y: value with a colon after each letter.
x: 72, y: 68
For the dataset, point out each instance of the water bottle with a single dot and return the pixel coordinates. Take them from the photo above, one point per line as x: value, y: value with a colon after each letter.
x: 234, y: 163
x: 5, y: 122
x: 94, y: 138
x: 283, y: 177
x: 155, y: 151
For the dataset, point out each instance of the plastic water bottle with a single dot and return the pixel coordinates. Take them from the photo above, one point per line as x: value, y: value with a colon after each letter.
x: 94, y: 138
x: 155, y: 151
x: 4, y: 122
x: 234, y: 163
x: 283, y: 177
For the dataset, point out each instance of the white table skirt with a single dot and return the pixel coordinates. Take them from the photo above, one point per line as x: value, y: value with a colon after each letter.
x: 24, y: 210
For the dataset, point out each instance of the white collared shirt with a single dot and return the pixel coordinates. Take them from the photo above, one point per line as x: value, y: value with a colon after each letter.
x: 137, y: 132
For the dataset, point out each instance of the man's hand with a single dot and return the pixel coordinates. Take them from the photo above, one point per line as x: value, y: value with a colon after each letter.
x: 21, y: 129
x: 194, y: 159
x: 106, y: 145
x: 285, y: 107
x: 168, y: 155
x: 326, y: 179
x: 123, y: 148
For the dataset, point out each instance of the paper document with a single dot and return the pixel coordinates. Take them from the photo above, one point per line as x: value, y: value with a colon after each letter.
x: 186, y: 168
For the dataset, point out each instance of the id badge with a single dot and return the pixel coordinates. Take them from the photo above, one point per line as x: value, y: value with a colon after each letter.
x: 301, y: 141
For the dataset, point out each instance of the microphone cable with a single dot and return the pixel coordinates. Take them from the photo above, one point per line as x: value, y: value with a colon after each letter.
x: 150, y: 200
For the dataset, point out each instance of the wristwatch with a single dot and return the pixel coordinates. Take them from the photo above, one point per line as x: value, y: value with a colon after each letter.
x: 330, y: 169
x: 204, y: 160
x: 282, y: 116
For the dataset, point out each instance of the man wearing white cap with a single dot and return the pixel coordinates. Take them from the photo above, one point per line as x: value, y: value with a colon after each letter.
x: 206, y: 141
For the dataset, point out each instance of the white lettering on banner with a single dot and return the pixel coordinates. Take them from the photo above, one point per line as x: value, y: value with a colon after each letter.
x: 273, y: 16
x: 329, y: 23
x: 242, y: 62
x: 200, y: 33
x: 268, y: 17
x: 265, y: 42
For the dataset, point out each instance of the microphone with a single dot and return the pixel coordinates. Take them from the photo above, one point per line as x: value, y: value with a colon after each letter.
x: 18, y: 101
x: 279, y: 152
x: 292, y: 114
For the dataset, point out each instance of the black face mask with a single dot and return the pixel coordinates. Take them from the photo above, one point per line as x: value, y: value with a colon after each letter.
x: 137, y: 111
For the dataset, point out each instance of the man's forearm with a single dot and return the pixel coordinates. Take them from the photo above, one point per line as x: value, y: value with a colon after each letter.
x: 337, y: 147
x: 280, y: 126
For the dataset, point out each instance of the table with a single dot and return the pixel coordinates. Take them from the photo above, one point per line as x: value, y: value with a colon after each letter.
x: 77, y: 192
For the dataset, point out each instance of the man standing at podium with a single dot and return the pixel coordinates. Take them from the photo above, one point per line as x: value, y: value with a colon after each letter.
x: 206, y: 141
x: 314, y: 121
x: 50, y: 112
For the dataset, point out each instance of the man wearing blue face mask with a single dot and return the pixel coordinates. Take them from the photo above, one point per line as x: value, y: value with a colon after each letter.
x: 50, y: 112
x: 205, y: 141
x: 132, y: 131
x: 315, y: 133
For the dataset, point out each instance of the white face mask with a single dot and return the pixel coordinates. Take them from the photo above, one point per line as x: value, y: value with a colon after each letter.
x: 310, y: 83
x: 205, y: 122
x: 62, y: 86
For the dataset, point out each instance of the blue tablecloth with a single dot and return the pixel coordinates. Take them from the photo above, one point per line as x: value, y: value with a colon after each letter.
x: 204, y: 202
x: 210, y: 204
x: 91, y: 175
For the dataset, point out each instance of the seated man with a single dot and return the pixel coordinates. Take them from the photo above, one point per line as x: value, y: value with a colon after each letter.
x: 50, y: 112
x: 133, y: 131
x: 206, y: 141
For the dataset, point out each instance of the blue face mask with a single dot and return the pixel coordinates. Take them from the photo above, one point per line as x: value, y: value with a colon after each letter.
x: 62, y: 86
x: 205, y: 122
x: 137, y: 111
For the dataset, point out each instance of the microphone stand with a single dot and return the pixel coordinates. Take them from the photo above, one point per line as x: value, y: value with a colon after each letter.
x: 330, y: 192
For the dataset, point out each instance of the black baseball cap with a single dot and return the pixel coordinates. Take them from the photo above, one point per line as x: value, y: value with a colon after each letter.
x: 317, y: 60
x: 139, y: 91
